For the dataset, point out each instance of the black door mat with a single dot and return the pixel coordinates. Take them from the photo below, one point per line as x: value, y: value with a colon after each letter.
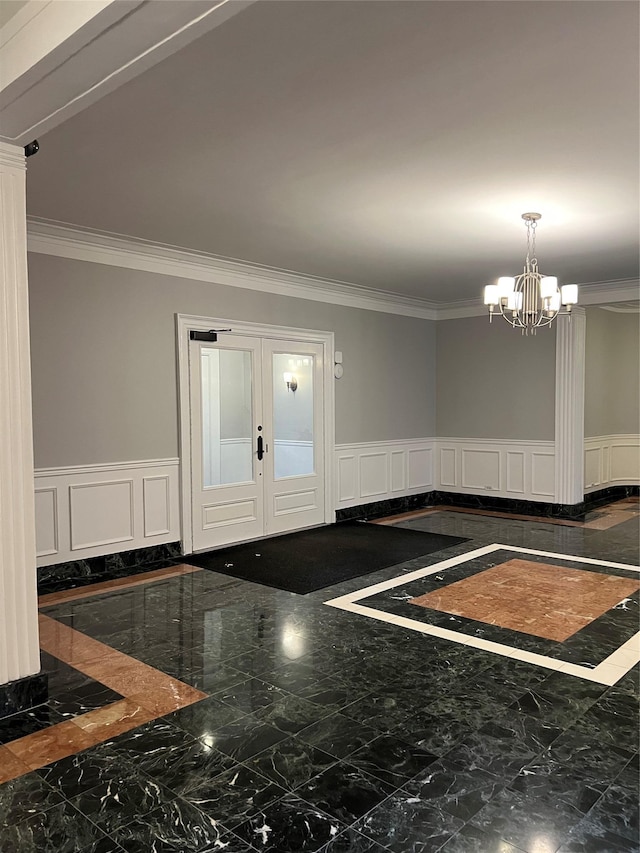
x: 313, y: 559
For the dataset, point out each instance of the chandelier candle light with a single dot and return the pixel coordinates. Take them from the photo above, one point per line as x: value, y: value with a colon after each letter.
x: 530, y: 300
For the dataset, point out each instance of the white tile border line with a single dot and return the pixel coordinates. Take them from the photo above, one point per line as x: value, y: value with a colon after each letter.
x: 608, y: 672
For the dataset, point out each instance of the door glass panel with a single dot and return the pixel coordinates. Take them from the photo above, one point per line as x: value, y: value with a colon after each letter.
x: 227, y: 433
x: 292, y: 415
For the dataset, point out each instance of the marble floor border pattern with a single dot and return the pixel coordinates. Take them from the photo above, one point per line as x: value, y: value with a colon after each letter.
x: 147, y: 694
x: 608, y: 672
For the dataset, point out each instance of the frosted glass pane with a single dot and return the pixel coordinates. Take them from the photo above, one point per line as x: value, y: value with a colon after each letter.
x: 293, y: 415
x: 227, y: 444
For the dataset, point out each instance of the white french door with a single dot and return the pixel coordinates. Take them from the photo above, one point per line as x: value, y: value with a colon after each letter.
x: 257, y: 438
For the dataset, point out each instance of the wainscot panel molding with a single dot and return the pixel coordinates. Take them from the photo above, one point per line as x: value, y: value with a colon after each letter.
x: 611, y: 460
x: 522, y: 470
x: 377, y: 470
x: 93, y: 510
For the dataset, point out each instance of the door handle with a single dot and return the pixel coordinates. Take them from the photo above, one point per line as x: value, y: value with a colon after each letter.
x: 260, y: 448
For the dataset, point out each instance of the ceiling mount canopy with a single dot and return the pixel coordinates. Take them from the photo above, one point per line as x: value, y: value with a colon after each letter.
x: 530, y: 300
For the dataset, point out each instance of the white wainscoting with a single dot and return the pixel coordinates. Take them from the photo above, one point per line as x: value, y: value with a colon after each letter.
x: 100, y: 509
x: 611, y: 460
x: 520, y: 470
x: 379, y: 470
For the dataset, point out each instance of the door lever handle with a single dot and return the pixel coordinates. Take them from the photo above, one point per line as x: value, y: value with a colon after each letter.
x: 260, y: 450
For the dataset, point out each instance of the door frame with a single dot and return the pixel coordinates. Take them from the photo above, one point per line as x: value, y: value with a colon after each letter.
x: 188, y: 322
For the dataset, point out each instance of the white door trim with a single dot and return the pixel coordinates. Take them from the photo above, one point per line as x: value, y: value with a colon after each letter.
x: 187, y: 322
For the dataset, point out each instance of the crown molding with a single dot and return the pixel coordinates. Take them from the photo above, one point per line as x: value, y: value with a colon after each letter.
x: 624, y: 290
x: 51, y: 238
x: 83, y: 244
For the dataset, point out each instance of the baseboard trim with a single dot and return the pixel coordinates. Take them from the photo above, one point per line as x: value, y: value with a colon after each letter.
x: 609, y: 494
x: 391, y: 506
x: 23, y: 694
x: 107, y: 567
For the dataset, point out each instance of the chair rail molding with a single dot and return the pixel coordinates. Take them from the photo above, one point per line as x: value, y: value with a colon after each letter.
x: 92, y: 510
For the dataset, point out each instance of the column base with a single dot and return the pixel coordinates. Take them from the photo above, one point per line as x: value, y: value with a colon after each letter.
x: 23, y: 694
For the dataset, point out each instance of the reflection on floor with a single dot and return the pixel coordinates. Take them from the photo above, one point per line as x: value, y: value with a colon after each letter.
x: 193, y: 711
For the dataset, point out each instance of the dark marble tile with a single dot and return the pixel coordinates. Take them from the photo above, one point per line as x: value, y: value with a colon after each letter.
x: 470, y: 839
x: 526, y: 821
x: 202, y: 718
x: 60, y: 828
x: 604, y: 722
x: 84, y: 770
x: 74, y: 701
x: 245, y: 738
x: 25, y: 796
x: 234, y: 796
x: 556, y: 710
x: 617, y: 812
x: 351, y: 841
x: 435, y: 734
x: 406, y: 823
x: 590, y: 836
x: 154, y: 739
x: 103, y: 845
x: 186, y: 767
x: 291, y: 763
x: 547, y: 778
x: 591, y: 758
x: 118, y: 800
x: 459, y: 792
x: 175, y: 826
x: 503, y: 757
x: 337, y: 735
x: 292, y: 713
x: 216, y: 679
x: 28, y: 722
x: 290, y: 825
x: 250, y: 695
x: 391, y: 759
x: 344, y: 791
x: 535, y: 733
x: 383, y: 711
x: 296, y: 677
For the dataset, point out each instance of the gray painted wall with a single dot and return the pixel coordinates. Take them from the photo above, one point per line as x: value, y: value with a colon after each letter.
x: 104, y: 361
x: 494, y: 383
x: 612, y: 373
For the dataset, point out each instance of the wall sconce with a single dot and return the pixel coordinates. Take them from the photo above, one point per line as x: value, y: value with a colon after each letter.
x: 292, y: 382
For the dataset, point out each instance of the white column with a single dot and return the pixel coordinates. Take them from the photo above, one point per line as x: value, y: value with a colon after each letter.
x: 569, y: 438
x: 19, y: 654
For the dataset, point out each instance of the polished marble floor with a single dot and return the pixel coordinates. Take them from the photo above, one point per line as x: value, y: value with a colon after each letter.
x: 190, y: 711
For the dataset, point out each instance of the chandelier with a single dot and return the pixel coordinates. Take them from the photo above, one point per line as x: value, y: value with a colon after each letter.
x: 530, y: 300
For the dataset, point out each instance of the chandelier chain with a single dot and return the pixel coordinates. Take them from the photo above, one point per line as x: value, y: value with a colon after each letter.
x: 531, y: 241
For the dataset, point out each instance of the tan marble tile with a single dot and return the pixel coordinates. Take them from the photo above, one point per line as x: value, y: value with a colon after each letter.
x: 11, y: 766
x: 67, y: 644
x: 535, y: 598
x: 167, y: 697
x: 50, y: 744
x: 120, y: 583
x: 114, y: 719
x: 127, y: 676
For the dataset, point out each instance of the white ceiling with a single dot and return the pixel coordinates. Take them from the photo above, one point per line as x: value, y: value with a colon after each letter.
x: 387, y: 144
